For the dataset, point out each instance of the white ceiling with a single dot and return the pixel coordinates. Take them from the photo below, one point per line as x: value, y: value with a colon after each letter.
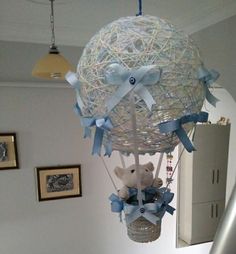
x: 25, y: 31
x: 77, y: 20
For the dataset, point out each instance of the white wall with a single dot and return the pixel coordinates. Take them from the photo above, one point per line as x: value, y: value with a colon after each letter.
x: 49, y: 133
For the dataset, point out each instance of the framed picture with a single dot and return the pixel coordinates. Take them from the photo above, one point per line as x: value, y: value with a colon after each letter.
x: 8, y: 151
x: 59, y: 182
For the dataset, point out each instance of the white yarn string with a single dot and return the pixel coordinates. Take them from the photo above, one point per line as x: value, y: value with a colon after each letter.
x: 135, y: 147
x: 107, y: 170
x: 177, y: 163
x: 134, y: 42
x: 122, y: 160
x: 159, y: 165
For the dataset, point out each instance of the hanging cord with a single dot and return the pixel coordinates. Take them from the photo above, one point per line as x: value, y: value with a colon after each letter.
x: 177, y: 163
x: 135, y: 144
x: 122, y: 160
x: 105, y: 165
x: 159, y: 165
x: 140, y: 12
x: 52, y: 24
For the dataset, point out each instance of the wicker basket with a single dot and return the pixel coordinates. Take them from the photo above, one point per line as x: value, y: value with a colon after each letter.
x: 143, y: 231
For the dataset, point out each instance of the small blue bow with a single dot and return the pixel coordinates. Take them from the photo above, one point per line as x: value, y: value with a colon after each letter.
x: 128, y: 80
x: 176, y: 127
x: 166, y: 198
x: 72, y: 79
x: 207, y: 78
x: 102, y: 124
x: 117, y: 204
x: 133, y: 212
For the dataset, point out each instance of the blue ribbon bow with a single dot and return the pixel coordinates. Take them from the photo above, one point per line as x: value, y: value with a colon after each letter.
x: 207, y: 78
x: 72, y: 79
x: 166, y: 198
x: 102, y: 124
x: 117, y: 204
x: 176, y: 127
x: 128, y: 80
x: 133, y: 212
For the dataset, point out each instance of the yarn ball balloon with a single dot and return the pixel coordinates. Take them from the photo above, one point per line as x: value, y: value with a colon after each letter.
x: 134, y: 42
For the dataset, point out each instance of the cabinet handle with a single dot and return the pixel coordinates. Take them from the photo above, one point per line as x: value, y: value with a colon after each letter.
x: 212, y: 210
x: 216, y: 210
x: 218, y: 176
x: 213, y: 177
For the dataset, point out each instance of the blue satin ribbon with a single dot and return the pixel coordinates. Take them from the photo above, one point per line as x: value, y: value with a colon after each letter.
x: 148, y: 210
x: 147, y: 193
x: 166, y: 198
x: 117, y: 203
x: 128, y: 80
x: 176, y: 127
x: 207, y: 78
x: 133, y: 212
x: 72, y: 79
x: 102, y: 125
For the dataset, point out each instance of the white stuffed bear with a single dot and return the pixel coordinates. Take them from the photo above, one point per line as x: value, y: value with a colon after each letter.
x: 129, y: 178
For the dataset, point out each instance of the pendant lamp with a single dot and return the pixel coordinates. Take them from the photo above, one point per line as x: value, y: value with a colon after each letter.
x: 53, y: 65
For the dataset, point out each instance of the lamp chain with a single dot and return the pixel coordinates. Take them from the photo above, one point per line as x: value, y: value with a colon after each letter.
x: 52, y: 24
x: 140, y: 12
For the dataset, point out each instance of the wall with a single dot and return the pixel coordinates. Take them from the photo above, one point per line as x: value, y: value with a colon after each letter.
x: 49, y: 133
x: 217, y: 46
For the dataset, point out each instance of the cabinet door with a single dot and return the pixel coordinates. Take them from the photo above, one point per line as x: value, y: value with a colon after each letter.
x: 221, y: 159
x: 205, y: 218
x: 210, y: 163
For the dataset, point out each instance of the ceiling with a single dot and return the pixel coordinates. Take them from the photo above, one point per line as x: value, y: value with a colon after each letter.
x: 25, y: 30
x: 77, y: 20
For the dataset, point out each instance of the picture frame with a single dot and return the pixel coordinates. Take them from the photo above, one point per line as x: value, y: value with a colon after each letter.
x: 8, y: 151
x: 59, y: 182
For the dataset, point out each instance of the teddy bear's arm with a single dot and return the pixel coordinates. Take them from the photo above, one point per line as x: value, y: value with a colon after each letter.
x: 124, y: 193
x: 157, y: 182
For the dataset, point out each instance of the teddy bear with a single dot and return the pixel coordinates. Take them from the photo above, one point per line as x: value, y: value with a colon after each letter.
x: 128, y: 177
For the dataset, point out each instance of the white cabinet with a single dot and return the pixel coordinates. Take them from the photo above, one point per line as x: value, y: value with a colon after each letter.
x: 202, y: 183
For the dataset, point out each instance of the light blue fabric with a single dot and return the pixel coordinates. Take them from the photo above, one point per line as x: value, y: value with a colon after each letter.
x: 129, y: 80
x: 175, y: 126
x: 148, y: 210
x: 102, y: 124
x: 72, y: 79
x: 207, y: 78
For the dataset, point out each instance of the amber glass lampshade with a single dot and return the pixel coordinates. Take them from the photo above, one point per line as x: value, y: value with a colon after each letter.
x: 52, y: 66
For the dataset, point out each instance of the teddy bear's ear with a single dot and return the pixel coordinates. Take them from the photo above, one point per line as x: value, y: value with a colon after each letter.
x: 149, y: 166
x: 119, y: 172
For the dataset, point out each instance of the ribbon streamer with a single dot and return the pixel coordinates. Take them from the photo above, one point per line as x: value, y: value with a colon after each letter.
x: 207, y: 78
x: 117, y: 204
x: 176, y: 127
x: 128, y: 80
x: 72, y: 79
x: 102, y: 125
